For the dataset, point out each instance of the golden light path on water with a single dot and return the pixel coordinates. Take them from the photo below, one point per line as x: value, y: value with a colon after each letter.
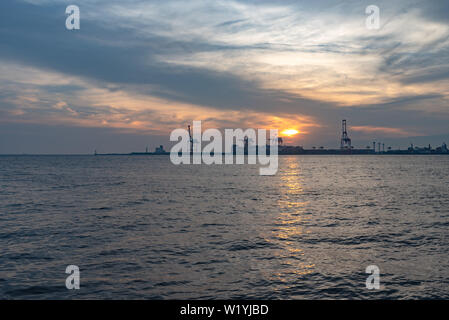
x: 289, y: 225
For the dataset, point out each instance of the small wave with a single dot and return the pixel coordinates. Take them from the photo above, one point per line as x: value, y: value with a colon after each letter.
x: 101, y: 209
x: 247, y: 245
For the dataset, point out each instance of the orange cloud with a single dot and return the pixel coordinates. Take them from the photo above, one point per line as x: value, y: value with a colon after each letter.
x: 384, y: 130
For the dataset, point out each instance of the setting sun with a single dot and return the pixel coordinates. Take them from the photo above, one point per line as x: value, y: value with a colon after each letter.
x: 289, y: 132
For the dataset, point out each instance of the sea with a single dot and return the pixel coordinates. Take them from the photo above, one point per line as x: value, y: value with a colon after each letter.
x: 139, y: 227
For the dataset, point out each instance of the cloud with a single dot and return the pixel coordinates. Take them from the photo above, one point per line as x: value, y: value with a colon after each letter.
x: 385, y: 131
x: 151, y: 65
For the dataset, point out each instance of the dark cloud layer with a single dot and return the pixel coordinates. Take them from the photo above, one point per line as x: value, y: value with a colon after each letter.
x: 117, y: 57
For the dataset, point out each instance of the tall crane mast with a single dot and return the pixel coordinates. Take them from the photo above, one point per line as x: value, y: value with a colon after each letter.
x: 191, y: 140
x: 345, y: 141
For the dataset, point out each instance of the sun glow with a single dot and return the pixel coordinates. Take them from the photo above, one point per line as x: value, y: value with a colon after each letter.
x: 289, y: 132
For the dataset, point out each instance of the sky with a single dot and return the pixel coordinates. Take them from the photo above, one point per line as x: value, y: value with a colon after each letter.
x: 136, y: 70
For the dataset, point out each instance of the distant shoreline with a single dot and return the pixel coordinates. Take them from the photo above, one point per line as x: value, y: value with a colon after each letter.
x: 280, y: 154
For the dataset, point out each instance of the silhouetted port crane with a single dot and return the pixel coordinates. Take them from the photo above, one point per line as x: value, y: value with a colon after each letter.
x: 191, y: 140
x: 345, y: 141
x: 279, y: 140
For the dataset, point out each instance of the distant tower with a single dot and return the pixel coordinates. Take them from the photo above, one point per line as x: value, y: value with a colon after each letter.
x: 345, y: 141
x: 374, y: 146
x: 190, y: 139
x: 280, y: 141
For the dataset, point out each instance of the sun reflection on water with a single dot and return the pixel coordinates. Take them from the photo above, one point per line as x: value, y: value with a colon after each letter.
x: 290, y: 223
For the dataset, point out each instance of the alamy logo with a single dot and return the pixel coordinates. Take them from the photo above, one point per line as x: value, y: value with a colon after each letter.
x: 373, y: 281
x: 373, y: 20
x: 73, y: 280
x: 253, y: 145
x: 73, y: 20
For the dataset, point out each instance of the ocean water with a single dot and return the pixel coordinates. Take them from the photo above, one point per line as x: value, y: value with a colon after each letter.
x: 139, y: 227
